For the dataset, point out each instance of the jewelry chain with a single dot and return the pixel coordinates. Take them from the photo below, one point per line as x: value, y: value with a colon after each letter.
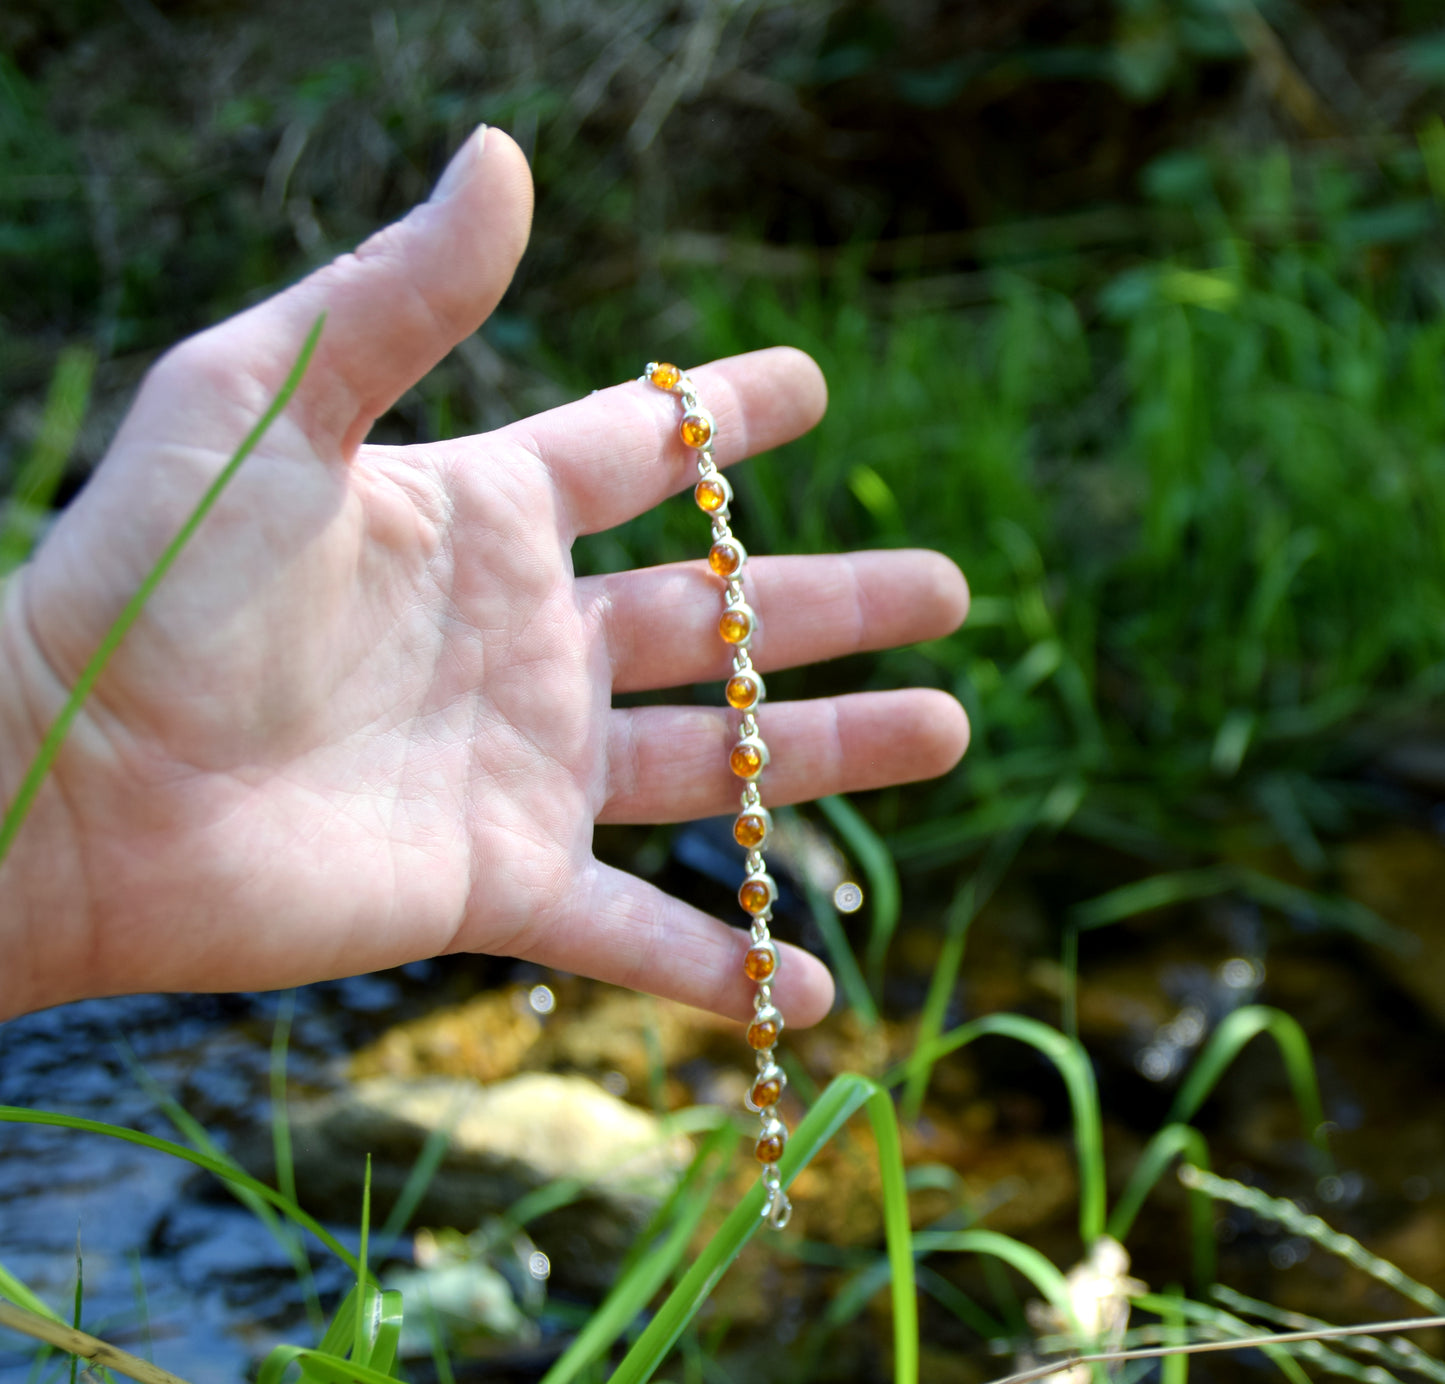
x: 748, y: 758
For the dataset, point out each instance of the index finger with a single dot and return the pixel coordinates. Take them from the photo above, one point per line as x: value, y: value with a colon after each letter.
x: 617, y: 452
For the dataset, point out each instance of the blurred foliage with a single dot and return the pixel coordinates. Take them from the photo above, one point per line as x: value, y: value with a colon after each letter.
x: 1131, y: 306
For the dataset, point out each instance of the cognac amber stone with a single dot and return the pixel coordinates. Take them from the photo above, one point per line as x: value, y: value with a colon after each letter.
x: 760, y: 963
x: 749, y: 829
x: 696, y: 430
x: 711, y: 495
x: 770, y: 1147
x: 767, y: 1090
x: 743, y: 691
x: 665, y: 376
x: 763, y: 1033
x: 735, y: 626
x: 746, y: 760
x: 725, y: 558
x: 755, y: 897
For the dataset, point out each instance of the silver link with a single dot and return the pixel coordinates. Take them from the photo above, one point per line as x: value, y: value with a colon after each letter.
x: 777, y: 1209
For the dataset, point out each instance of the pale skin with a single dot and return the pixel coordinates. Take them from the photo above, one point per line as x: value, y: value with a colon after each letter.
x: 368, y: 716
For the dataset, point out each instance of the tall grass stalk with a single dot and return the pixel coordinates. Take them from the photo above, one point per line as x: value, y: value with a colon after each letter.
x: 1275, y: 1346
x: 79, y: 1345
x: 650, y: 1260
x: 1314, y: 1229
x: 1398, y: 1353
x: 227, y: 1172
x: 19, y: 806
x: 969, y: 900
x: 844, y: 1096
x: 1224, y: 1045
x: 1171, y: 1142
x: 1073, y: 1065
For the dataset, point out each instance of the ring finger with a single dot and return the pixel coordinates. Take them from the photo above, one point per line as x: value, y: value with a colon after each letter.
x: 670, y: 764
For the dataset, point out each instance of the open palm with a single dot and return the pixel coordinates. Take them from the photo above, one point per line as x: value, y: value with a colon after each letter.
x: 367, y: 718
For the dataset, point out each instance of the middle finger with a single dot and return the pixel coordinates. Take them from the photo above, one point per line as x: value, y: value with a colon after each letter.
x: 660, y: 623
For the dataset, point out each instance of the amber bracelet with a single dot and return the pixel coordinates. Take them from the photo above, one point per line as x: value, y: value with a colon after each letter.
x: 747, y: 759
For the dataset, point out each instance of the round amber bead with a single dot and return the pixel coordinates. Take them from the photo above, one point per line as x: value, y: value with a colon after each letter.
x: 696, y: 430
x: 744, y: 691
x: 665, y: 376
x: 735, y: 625
x: 760, y: 963
x: 770, y: 1147
x: 725, y: 557
x: 767, y: 1090
x: 763, y: 1033
x: 756, y: 896
x: 750, y: 829
x: 711, y: 495
x: 746, y: 760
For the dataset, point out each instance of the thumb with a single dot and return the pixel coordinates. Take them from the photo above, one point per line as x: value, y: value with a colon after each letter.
x: 398, y: 304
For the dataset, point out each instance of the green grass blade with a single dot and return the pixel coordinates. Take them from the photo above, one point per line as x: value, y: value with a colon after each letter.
x: 11, y: 1114
x: 285, y: 1164
x: 12, y: 1288
x: 1173, y: 1369
x: 1171, y: 1142
x: 418, y: 1179
x: 857, y: 1292
x: 361, y: 1340
x: 931, y: 1018
x: 1399, y: 1352
x: 640, y: 1279
x: 956, y: 1301
x: 441, y: 1362
x: 965, y: 907
x: 1226, y: 1324
x: 1315, y: 1229
x: 1045, y: 1277
x: 318, y: 1365
x: 1069, y: 971
x: 845, y: 1095
x: 142, y: 1304
x: 720, y: 1142
x: 44, y: 468
x: 885, y: 898
x: 19, y: 807
x: 1349, y: 915
x: 1224, y: 1045
x: 1158, y: 891
x: 899, y: 1234
x: 341, y: 1330
x: 79, y: 1300
x: 389, y: 1321
x: 280, y: 1120
x: 1077, y: 1072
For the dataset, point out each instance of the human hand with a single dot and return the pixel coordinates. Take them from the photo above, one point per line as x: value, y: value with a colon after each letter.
x: 367, y: 717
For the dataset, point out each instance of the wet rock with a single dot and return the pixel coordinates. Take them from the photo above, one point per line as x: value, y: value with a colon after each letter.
x: 504, y: 1141
x: 487, y: 1039
x: 631, y: 1042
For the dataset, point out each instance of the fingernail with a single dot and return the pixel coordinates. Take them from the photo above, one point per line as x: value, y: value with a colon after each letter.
x: 460, y: 168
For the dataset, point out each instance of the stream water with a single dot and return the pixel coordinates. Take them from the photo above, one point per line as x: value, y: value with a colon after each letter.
x: 165, y: 1259
x: 172, y: 1265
